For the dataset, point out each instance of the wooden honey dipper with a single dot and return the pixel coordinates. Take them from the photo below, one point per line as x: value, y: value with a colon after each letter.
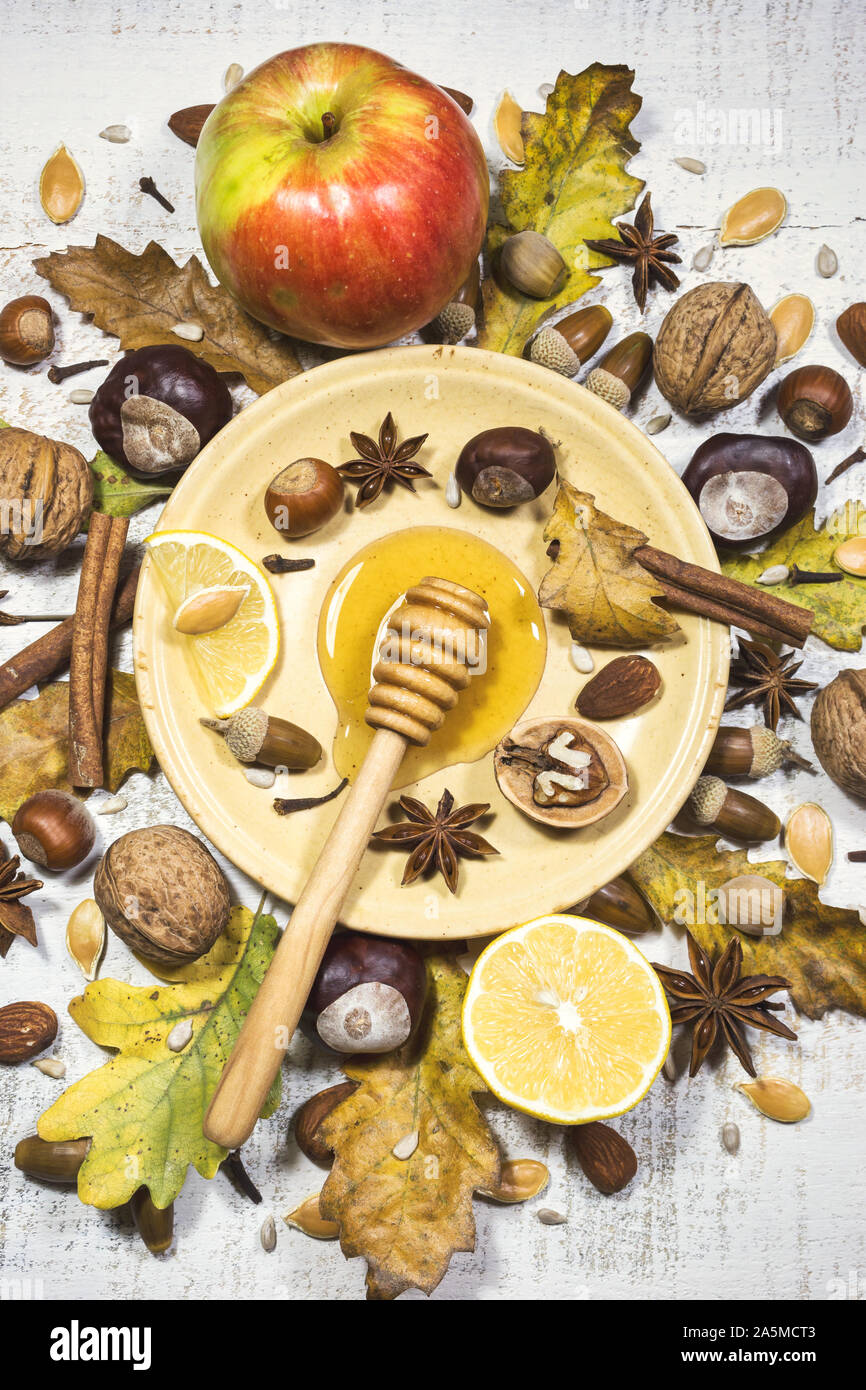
x: 432, y: 638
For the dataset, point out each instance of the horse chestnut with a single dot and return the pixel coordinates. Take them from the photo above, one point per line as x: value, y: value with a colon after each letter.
x: 158, y: 407
x: 749, y: 487
x: 506, y: 466
x: 368, y: 995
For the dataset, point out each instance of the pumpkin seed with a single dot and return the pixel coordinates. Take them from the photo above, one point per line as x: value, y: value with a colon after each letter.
x: 753, y: 217
x: 405, y: 1147
x: 776, y: 574
x: 581, y: 659
x: 309, y: 1219
x: 793, y: 318
x: 50, y: 1066
x: 233, y: 74
x: 777, y: 1099
x: 263, y: 777
x: 453, y: 492
x: 61, y: 186
x: 191, y: 332
x: 85, y: 937
x: 809, y: 841
x: 506, y: 123
x: 179, y: 1036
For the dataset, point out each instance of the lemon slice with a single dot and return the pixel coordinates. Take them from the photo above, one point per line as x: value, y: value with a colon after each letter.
x: 566, y: 1020
x: 232, y: 661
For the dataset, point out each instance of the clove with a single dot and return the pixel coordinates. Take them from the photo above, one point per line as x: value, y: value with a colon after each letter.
x: 234, y: 1166
x: 148, y: 186
x: 283, y: 564
x: 857, y: 856
x: 58, y: 374
x: 285, y: 805
x: 858, y: 456
x: 799, y: 576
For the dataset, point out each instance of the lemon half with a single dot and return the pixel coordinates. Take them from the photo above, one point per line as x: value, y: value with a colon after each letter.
x: 566, y: 1020
x: 232, y: 662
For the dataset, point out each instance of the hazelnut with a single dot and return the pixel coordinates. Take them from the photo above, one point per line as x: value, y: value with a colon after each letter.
x: 368, y: 995
x: 533, y: 265
x: 506, y: 466
x: 54, y: 829
x: 163, y: 893
x: 304, y: 497
x: 749, y: 487
x: 815, y: 402
x: 26, y: 330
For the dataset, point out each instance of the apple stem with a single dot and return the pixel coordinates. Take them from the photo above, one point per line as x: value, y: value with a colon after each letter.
x: 329, y: 124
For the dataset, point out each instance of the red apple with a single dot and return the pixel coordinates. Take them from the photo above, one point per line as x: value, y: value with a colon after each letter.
x: 340, y: 197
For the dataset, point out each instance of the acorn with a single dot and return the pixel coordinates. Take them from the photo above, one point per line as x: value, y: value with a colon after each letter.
x: 457, y: 318
x: 154, y: 1224
x: 618, y: 904
x: 303, y: 497
x: 254, y: 736
x: 50, y: 1160
x: 621, y: 370
x: 572, y: 341
x: 732, y: 813
x: 754, y: 752
x: 533, y: 265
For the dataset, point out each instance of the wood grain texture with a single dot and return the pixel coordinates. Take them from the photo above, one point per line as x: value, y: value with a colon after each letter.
x: 785, y: 1218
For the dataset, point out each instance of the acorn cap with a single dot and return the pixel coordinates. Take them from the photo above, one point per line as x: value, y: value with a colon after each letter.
x: 609, y: 387
x: 707, y: 798
x: 550, y: 349
x: 454, y: 321
x: 246, y: 733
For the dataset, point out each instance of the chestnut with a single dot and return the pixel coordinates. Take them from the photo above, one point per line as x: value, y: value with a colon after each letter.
x: 368, y: 995
x: 26, y: 330
x: 749, y: 487
x: 506, y: 466
x: 304, y: 497
x: 158, y: 407
x: 815, y: 402
x: 54, y: 830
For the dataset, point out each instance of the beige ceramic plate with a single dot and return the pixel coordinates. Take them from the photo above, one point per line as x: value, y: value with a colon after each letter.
x: 452, y: 393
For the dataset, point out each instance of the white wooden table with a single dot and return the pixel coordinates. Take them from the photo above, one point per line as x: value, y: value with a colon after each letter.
x: 783, y: 1218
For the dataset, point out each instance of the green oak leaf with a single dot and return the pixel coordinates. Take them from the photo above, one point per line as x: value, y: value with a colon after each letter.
x: 117, y: 493
x: 144, y: 1109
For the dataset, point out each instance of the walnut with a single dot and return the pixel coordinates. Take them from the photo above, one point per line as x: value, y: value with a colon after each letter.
x: 163, y: 893
x: 839, y: 730
x: 714, y: 347
x: 46, y: 493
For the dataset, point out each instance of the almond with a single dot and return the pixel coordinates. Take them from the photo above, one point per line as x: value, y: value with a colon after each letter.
x: 25, y: 1029
x: 608, y: 1160
x: 621, y: 687
x: 187, y: 124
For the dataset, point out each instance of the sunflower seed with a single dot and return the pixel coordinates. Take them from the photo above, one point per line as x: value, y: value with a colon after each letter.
x: 81, y: 397
x: 548, y: 1217
x: 179, y: 1035
x: 669, y: 1069
x: 658, y: 423
x: 115, y: 134
x: 192, y: 332
x: 111, y: 805
x: 776, y: 574
x: 405, y: 1147
x: 730, y: 1137
x: 233, y: 74
x: 268, y: 1234
x: 51, y: 1066
x: 826, y: 262
x: 581, y: 659
x: 691, y: 166
x: 703, y: 257
x: 453, y: 494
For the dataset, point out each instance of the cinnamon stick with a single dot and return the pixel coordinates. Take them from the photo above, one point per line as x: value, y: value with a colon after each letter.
x: 50, y: 652
x: 736, y: 603
x: 711, y: 608
x: 89, y: 656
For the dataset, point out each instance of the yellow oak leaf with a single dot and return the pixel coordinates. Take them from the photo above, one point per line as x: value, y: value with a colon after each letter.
x: 840, y: 609
x: 406, y: 1217
x: 606, y: 596
x: 571, y: 187
x: 820, y: 949
x: 34, y: 741
x: 144, y: 1109
x: 139, y: 299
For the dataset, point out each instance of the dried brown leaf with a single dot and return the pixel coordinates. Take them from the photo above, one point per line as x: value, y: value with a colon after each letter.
x: 139, y: 299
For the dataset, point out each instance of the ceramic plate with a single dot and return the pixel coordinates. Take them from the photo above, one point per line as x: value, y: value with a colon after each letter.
x: 452, y: 394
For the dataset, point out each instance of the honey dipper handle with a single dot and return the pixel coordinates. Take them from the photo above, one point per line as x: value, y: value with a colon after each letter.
x: 276, y: 1009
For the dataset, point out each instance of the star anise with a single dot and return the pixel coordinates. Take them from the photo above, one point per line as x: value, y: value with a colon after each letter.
x: 15, y: 918
x: 717, y: 998
x: 767, y: 679
x: 650, y: 255
x: 437, y: 837
x: 383, y: 462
